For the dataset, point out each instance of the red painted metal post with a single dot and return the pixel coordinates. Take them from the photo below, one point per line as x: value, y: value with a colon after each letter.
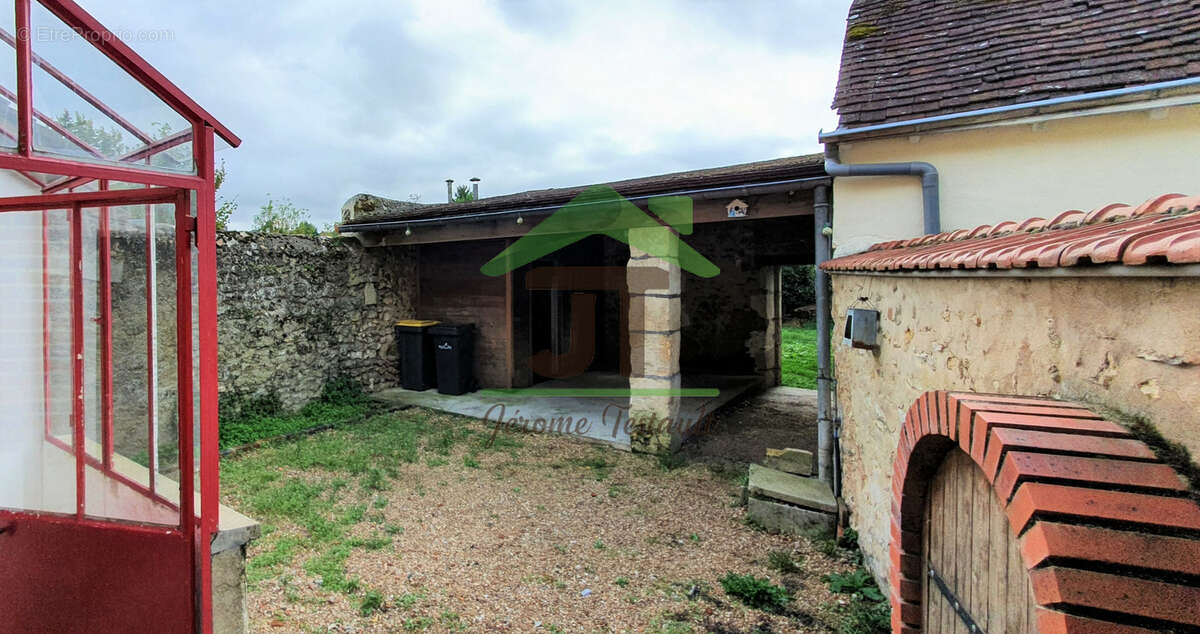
x: 104, y: 238
x: 24, y: 81
x: 77, y: 411
x: 206, y: 242
x: 184, y: 394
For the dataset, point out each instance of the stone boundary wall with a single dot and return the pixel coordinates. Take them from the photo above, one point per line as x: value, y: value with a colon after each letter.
x: 295, y: 312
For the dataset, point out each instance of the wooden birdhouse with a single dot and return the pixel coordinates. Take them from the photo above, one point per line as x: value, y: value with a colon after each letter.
x: 737, y: 208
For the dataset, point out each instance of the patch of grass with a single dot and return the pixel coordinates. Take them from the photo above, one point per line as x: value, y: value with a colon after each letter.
x: 601, y: 467
x: 418, y: 624
x: 470, y: 462
x: 599, y: 545
x: 371, y: 603
x: 451, y: 621
x: 436, y: 461
x: 374, y: 480
x: 353, y: 514
x: 755, y: 592
x: 621, y: 582
x: 329, y: 568
x: 671, y: 461
x: 408, y: 600
x: 266, y: 564
x: 799, y: 357
x: 371, y: 543
x: 782, y: 561
x: 294, y: 498
x: 247, y: 419
x: 864, y: 617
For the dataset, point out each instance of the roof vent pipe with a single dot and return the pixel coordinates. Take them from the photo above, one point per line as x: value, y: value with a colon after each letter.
x: 475, y: 188
x: 927, y: 172
x: 449, y: 190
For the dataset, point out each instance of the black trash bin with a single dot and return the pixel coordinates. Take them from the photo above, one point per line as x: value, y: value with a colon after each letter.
x: 415, y: 348
x: 455, y: 349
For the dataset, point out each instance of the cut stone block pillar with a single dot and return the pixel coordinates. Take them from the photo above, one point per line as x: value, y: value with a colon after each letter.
x: 765, y: 346
x: 654, y: 341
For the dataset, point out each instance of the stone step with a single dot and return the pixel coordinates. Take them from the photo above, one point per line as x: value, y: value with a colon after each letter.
x: 785, y: 518
x: 797, y: 461
x: 809, y: 493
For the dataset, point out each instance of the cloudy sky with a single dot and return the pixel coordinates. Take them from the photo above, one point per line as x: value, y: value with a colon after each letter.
x: 392, y: 98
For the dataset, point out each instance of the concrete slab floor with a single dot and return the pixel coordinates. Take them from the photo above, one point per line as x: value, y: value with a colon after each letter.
x: 594, y: 396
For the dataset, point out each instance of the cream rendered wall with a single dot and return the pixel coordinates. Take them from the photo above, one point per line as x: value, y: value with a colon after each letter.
x: 1017, y: 171
x: 21, y: 373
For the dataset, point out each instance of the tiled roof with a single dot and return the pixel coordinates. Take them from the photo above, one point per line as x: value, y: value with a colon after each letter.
x: 371, y: 209
x: 904, y: 59
x: 1162, y: 230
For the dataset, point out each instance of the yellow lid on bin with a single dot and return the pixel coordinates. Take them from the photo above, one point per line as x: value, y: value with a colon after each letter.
x: 417, y: 323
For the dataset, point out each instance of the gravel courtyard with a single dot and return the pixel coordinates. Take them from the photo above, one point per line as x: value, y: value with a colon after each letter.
x: 412, y: 521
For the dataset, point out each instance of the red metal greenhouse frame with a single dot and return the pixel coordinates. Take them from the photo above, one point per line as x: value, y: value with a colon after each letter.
x: 192, y: 196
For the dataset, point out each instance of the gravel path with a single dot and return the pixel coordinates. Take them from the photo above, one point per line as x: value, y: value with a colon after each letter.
x: 535, y: 534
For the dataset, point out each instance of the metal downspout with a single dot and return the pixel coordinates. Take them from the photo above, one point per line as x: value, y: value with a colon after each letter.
x: 821, y: 241
x: 929, y: 183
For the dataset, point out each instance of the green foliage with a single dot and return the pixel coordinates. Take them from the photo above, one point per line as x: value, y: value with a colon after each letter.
x: 799, y: 352
x: 225, y: 207
x: 463, y: 194
x: 246, y: 419
x: 371, y: 603
x: 782, y: 561
x: 601, y: 468
x: 867, y: 611
x: 858, y: 581
x: 342, y: 390
x: 268, y: 563
x: 798, y: 289
x: 621, y: 581
x: 108, y: 141
x: 864, y: 617
x: 669, y: 461
x: 329, y: 568
x: 755, y: 592
x: 284, y: 217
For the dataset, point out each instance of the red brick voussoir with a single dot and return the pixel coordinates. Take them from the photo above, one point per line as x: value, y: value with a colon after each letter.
x: 1107, y: 530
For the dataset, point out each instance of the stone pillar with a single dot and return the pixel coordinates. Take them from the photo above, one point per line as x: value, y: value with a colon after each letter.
x: 654, y: 283
x: 765, y: 346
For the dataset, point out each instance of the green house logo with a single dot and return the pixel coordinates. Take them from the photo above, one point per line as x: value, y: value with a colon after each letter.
x: 601, y: 210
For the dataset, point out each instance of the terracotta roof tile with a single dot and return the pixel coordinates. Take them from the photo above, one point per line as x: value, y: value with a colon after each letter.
x: 904, y: 59
x: 1163, y: 230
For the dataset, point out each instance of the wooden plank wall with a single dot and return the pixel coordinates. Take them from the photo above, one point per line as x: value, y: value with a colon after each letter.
x: 453, y: 290
x: 968, y: 541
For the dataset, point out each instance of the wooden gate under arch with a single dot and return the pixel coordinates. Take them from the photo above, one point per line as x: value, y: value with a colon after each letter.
x: 1026, y: 514
x: 974, y: 575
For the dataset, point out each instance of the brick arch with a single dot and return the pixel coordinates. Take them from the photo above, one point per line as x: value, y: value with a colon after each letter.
x: 1107, y: 531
